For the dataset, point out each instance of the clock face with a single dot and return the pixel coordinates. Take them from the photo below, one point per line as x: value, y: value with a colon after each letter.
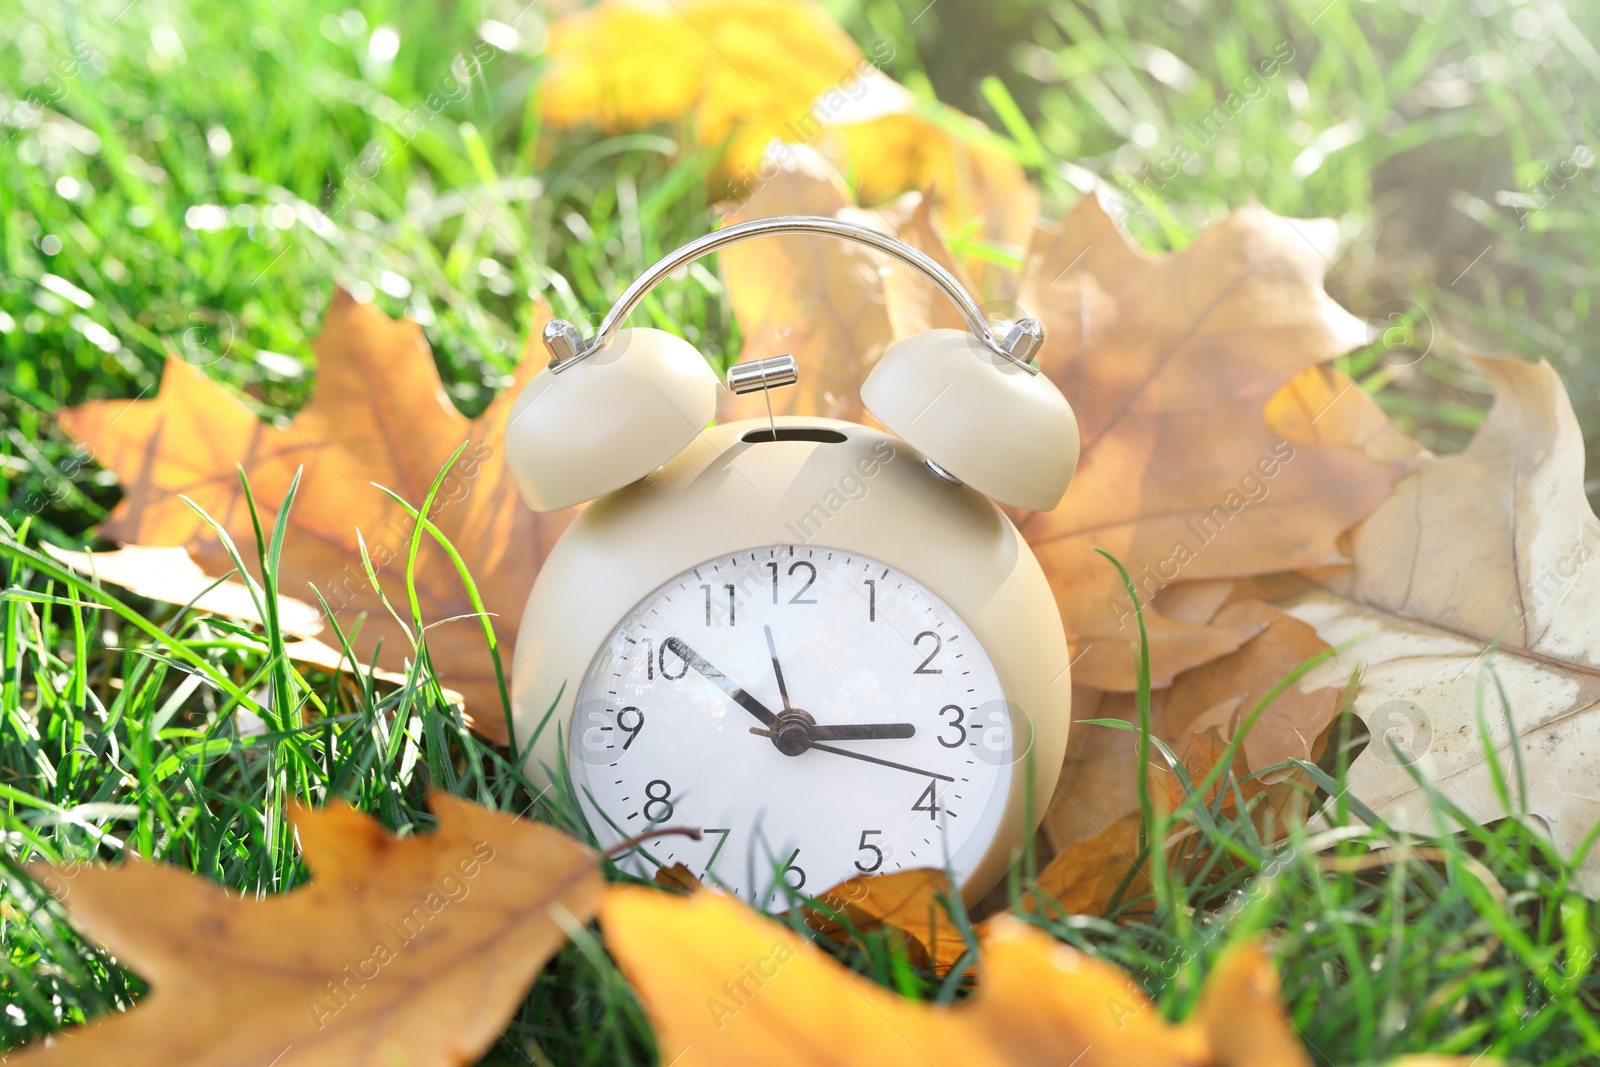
x: 816, y: 713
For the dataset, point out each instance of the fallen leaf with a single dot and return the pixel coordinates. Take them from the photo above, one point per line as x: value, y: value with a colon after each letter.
x: 816, y: 298
x: 833, y: 305
x: 677, y: 876
x: 1241, y: 1015
x: 741, y: 73
x: 723, y: 985
x: 899, y: 145
x: 1098, y: 786
x: 1083, y: 878
x: 1171, y: 363
x: 172, y: 576
x: 1222, y: 692
x: 745, y: 75
x: 1477, y: 576
x: 416, y: 948
x: 378, y: 415
x: 909, y: 901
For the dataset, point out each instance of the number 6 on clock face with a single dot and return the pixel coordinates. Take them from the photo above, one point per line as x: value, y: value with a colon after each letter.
x: 821, y: 714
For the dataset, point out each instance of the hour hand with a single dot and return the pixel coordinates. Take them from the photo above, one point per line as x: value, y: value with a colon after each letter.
x: 720, y: 680
x: 864, y: 731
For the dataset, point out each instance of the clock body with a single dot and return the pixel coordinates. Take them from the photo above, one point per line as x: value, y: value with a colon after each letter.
x: 830, y: 575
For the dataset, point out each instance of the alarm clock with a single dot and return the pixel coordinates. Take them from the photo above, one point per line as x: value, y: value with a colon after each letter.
x: 821, y: 644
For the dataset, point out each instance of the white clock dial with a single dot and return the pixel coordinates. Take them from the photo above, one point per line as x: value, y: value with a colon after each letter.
x: 884, y: 739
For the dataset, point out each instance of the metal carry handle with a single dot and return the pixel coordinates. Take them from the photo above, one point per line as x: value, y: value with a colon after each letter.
x: 567, y: 346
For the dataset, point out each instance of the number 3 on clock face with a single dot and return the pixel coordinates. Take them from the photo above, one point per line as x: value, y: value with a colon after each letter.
x: 818, y: 714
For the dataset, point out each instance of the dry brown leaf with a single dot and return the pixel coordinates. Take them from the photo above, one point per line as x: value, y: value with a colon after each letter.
x: 1222, y: 692
x: 1171, y: 363
x: 679, y: 877
x: 1083, y: 878
x: 907, y: 900
x: 1480, y: 558
x: 415, y: 948
x: 819, y: 299
x: 1098, y: 787
x: 747, y: 73
x: 378, y: 415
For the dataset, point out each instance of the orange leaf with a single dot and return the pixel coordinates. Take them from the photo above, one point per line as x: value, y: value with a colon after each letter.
x: 416, y: 948
x: 907, y: 900
x: 1171, y: 362
x: 378, y: 415
x: 1083, y: 878
x: 817, y: 298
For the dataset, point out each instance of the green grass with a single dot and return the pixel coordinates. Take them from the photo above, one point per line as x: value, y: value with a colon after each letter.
x: 197, y: 189
x: 129, y: 731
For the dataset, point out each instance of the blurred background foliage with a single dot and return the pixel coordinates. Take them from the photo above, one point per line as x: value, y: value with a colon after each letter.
x: 190, y: 179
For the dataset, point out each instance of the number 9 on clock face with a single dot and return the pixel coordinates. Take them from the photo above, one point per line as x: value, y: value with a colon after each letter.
x: 816, y: 713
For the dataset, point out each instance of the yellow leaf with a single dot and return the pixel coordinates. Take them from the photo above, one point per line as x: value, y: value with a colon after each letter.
x: 748, y: 73
x: 412, y: 949
x: 723, y: 985
x: 1241, y: 1015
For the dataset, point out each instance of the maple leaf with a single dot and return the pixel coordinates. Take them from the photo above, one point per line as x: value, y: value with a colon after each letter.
x: 747, y: 73
x: 416, y: 948
x: 724, y: 985
x: 378, y: 416
x: 1472, y: 591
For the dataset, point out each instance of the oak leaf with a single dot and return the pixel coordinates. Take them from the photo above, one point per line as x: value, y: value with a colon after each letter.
x: 416, y: 948
x: 1170, y: 363
x: 378, y: 416
x: 1098, y: 786
x: 1473, y: 590
x: 819, y: 299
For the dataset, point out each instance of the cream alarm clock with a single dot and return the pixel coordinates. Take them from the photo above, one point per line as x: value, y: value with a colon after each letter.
x: 822, y: 645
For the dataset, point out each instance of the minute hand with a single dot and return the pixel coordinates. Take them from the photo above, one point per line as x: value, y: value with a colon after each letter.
x: 720, y: 680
